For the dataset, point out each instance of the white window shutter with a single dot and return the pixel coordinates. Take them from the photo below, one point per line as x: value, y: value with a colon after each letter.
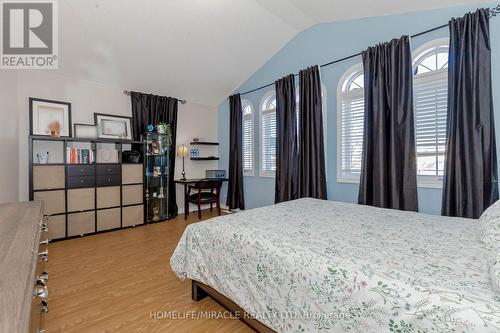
x: 351, y: 136
x: 248, y: 144
x: 268, y: 142
x: 430, y: 102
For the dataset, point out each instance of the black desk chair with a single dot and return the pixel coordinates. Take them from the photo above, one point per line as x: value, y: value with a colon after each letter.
x: 203, y: 196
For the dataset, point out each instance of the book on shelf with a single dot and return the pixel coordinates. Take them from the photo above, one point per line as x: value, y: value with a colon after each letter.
x: 79, y: 156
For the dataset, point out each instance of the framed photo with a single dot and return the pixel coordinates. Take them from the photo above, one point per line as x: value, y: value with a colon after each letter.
x: 85, y: 131
x: 50, y: 118
x: 113, y: 127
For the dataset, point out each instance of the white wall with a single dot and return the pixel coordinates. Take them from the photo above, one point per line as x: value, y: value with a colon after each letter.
x: 194, y: 120
x: 9, y: 167
x: 85, y: 98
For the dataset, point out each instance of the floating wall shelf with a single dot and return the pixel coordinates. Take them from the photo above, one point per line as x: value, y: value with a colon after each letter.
x: 204, y: 158
x: 206, y: 143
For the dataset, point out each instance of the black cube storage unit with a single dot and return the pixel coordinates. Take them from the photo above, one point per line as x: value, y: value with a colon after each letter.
x: 85, y: 197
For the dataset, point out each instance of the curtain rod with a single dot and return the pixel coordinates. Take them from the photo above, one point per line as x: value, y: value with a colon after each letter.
x: 182, y: 101
x: 493, y: 12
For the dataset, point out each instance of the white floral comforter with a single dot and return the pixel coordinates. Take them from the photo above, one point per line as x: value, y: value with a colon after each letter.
x: 311, y: 265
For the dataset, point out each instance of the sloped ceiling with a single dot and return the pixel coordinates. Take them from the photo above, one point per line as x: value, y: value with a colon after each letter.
x: 200, y: 50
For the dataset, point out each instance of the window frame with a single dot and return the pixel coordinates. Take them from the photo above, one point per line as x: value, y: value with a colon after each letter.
x: 347, y: 77
x: 244, y: 103
x: 265, y: 99
x: 428, y: 49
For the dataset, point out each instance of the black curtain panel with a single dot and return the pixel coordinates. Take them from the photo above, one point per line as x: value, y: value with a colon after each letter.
x: 286, y: 140
x: 311, y: 147
x: 235, y: 197
x: 471, y: 178
x: 151, y: 109
x: 388, y: 171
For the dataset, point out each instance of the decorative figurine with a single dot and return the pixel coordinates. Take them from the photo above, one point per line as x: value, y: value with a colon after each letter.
x: 161, y: 195
x: 156, y: 171
x: 55, y: 129
x: 155, y: 148
x: 156, y: 214
x: 42, y: 158
x: 150, y: 128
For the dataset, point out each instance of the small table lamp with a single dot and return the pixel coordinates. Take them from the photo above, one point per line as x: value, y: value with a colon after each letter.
x: 182, y: 151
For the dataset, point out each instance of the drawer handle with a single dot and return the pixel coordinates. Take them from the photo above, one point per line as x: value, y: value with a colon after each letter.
x: 109, y: 179
x: 109, y: 169
x: 42, y: 292
x: 45, y: 227
x: 44, y: 256
x: 42, y: 278
x: 44, y: 307
x: 44, y: 242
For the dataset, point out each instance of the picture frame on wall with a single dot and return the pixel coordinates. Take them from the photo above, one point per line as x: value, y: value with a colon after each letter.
x: 113, y: 127
x: 85, y: 131
x: 49, y: 118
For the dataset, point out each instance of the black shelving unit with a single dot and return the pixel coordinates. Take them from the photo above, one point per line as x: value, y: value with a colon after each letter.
x: 92, y: 177
x: 156, y: 166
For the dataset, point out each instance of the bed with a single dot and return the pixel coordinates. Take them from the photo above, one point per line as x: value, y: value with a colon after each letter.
x: 312, y: 265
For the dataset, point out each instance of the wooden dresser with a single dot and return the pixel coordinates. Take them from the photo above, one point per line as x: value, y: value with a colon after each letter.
x: 23, y: 278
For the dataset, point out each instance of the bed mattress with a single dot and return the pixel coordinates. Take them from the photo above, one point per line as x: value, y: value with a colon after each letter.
x: 313, y: 265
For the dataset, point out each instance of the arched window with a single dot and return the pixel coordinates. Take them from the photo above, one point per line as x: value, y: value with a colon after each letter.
x: 350, y: 117
x: 268, y: 135
x: 430, y: 88
x: 268, y: 130
x: 247, y: 110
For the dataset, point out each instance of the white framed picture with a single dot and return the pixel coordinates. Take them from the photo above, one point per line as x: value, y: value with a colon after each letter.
x: 107, y: 156
x: 85, y: 131
x: 49, y: 118
x: 113, y: 127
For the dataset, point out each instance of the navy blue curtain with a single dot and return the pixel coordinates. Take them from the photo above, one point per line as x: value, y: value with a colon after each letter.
x: 389, y: 167
x: 311, y: 149
x: 235, y: 197
x: 471, y: 176
x: 152, y: 109
x: 286, y: 140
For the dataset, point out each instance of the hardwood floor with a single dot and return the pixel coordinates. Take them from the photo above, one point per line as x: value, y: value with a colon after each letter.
x: 116, y: 281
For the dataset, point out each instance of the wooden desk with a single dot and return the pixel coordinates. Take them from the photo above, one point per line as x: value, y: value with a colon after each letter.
x: 186, y: 184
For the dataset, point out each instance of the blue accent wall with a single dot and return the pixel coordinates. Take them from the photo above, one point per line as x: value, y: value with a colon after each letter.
x: 323, y: 43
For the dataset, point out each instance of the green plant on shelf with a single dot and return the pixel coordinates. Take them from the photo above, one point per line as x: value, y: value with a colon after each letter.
x: 165, y: 131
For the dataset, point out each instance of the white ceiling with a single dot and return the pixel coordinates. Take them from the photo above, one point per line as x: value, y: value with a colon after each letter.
x: 200, y: 50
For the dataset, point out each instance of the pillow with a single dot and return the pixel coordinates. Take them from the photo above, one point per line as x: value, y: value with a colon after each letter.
x: 490, y: 225
x: 494, y: 265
